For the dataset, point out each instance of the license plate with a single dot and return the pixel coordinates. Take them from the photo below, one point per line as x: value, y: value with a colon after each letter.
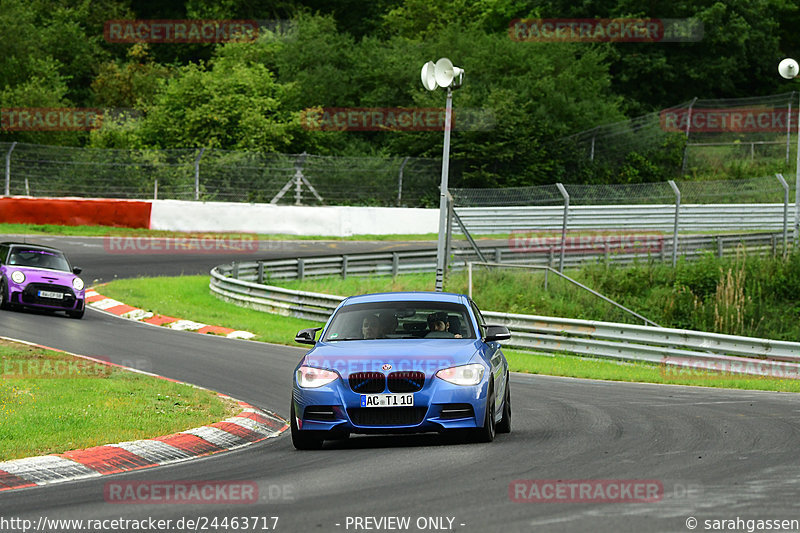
x: 51, y: 294
x: 387, y: 400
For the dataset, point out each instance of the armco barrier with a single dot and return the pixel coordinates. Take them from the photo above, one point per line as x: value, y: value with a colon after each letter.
x: 405, y: 262
x: 538, y: 333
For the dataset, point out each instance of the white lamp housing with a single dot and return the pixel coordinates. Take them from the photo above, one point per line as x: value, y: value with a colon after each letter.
x: 788, y: 68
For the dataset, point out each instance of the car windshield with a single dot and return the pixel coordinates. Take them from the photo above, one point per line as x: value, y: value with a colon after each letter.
x: 400, y: 320
x: 32, y: 257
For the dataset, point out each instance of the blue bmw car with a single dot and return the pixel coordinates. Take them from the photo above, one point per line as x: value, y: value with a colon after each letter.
x: 401, y: 362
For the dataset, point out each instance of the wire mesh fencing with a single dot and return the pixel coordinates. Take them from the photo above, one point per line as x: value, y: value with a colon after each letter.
x: 220, y: 175
x: 767, y: 189
x: 698, y: 137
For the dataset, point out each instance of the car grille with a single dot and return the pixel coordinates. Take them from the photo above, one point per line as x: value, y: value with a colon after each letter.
x: 387, y: 416
x: 410, y: 381
x: 367, y: 382
x: 30, y: 295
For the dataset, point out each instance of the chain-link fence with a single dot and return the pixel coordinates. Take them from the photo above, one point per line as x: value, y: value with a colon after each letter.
x: 697, y: 137
x: 734, y: 191
x: 220, y: 175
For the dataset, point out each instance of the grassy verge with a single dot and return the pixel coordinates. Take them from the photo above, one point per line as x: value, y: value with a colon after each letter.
x: 189, y: 297
x: 51, y: 402
x: 578, y: 367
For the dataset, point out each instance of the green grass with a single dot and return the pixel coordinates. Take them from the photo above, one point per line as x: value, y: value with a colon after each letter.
x: 189, y: 297
x: 579, y: 367
x: 51, y: 402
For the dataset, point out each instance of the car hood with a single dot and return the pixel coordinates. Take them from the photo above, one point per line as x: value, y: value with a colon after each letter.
x: 426, y: 355
x: 43, y: 274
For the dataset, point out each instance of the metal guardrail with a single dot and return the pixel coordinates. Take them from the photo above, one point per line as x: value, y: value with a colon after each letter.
x: 516, y: 251
x: 277, y: 300
x: 693, y: 217
x: 632, y: 341
x: 677, y: 347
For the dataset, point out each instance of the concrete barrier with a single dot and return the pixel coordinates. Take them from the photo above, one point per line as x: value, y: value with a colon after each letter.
x: 75, y: 212
x: 333, y: 221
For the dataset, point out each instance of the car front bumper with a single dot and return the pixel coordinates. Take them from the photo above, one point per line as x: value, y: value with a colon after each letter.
x: 439, y: 406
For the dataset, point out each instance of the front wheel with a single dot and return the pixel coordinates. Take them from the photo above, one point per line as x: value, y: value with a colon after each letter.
x: 303, y: 440
x: 487, y: 432
x: 504, y: 426
x: 76, y: 314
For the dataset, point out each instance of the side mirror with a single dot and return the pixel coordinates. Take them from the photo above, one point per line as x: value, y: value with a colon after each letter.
x: 77, y: 270
x: 307, y: 336
x: 497, y: 333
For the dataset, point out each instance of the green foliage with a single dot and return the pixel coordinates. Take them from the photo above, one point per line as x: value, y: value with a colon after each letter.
x: 133, y: 83
x: 354, y: 54
x: 229, y: 104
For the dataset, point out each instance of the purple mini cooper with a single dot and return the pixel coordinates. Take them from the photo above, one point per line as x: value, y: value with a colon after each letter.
x: 39, y: 276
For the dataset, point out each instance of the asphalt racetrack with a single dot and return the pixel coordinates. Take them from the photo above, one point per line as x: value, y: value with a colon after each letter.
x: 713, y: 454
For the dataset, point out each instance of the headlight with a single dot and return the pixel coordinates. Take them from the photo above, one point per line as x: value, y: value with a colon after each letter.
x: 77, y: 284
x: 18, y: 276
x: 462, y: 375
x: 311, y: 378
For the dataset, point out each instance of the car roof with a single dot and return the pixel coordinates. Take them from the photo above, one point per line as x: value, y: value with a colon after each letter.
x: 407, y: 296
x: 30, y: 245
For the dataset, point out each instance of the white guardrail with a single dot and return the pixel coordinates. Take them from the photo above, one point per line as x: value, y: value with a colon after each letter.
x: 678, y: 349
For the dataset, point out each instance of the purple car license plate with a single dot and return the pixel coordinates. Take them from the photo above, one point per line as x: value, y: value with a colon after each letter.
x: 51, y: 294
x: 387, y: 400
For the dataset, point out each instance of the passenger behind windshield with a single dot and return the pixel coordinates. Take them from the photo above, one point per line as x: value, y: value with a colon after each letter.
x: 439, y: 325
x: 371, y: 327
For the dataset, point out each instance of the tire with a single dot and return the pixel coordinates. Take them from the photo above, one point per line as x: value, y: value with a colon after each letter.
x: 4, y: 295
x: 76, y: 314
x: 504, y: 426
x: 303, y: 440
x: 487, y: 432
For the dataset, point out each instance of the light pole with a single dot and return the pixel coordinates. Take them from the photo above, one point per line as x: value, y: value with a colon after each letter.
x: 443, y: 74
x: 789, y: 69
